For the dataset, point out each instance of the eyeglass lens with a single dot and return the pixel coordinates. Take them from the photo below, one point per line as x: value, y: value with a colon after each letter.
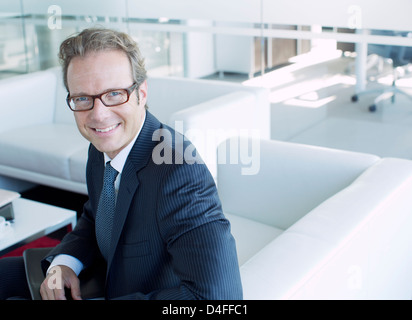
x: 111, y: 98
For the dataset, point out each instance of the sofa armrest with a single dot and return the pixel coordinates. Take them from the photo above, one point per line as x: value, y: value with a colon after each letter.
x: 209, y: 123
x: 27, y: 100
x: 355, y: 245
x: 292, y: 179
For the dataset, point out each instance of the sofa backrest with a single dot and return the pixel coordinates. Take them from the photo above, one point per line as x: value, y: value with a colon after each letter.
x: 210, y: 123
x: 288, y: 179
x: 167, y: 95
x: 27, y: 99
x: 62, y: 114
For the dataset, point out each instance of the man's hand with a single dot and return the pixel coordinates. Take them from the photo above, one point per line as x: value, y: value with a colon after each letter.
x: 58, y: 278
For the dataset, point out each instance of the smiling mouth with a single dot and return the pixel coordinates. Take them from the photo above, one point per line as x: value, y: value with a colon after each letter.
x: 107, y: 129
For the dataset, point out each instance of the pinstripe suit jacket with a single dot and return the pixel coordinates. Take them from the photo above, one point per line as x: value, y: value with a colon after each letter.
x: 170, y: 239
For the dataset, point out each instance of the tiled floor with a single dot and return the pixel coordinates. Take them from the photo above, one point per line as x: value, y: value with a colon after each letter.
x: 346, y: 125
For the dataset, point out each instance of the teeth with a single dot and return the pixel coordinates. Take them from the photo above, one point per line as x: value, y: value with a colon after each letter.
x: 107, y: 129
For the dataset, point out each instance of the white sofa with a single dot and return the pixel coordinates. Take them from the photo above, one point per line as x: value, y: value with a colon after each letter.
x: 318, y: 223
x: 40, y: 143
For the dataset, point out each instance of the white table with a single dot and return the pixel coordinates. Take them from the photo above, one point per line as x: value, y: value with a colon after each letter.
x: 32, y: 221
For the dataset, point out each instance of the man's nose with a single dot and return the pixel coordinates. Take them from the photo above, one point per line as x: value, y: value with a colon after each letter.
x: 99, y: 109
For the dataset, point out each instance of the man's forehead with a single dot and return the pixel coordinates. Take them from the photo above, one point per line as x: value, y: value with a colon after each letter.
x: 104, y: 70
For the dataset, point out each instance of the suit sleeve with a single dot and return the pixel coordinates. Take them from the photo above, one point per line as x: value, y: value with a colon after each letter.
x: 80, y: 243
x: 198, y: 238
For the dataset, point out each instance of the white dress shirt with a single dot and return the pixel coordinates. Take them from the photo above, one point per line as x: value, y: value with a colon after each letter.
x: 118, y: 164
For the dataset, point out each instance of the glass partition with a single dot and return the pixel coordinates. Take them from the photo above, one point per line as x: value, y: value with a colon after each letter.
x: 192, y: 38
x: 13, y: 42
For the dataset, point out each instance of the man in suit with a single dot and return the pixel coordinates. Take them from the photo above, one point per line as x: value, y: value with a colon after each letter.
x: 168, y: 238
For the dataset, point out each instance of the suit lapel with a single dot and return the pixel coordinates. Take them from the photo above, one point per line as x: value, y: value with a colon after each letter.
x: 129, y: 183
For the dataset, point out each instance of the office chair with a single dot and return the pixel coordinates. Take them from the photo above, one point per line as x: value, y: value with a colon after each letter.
x: 399, y: 57
x: 91, y: 284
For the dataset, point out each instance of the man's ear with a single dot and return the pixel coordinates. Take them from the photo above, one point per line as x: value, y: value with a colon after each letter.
x: 142, y: 93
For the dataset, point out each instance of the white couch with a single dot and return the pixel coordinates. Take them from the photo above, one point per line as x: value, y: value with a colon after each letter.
x: 318, y: 223
x: 40, y: 143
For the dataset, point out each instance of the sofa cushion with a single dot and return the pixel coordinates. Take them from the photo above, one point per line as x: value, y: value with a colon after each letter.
x: 250, y: 236
x: 44, y: 149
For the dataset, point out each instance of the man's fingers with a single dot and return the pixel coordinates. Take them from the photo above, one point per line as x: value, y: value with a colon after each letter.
x: 52, y: 287
x: 75, y: 289
x: 56, y: 280
x: 48, y: 293
x: 43, y: 292
x: 59, y: 294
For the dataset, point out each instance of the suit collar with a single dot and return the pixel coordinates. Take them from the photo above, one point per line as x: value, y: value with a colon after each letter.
x: 142, y: 150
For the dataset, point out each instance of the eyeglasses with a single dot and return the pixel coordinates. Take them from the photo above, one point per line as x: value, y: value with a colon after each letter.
x: 110, y: 98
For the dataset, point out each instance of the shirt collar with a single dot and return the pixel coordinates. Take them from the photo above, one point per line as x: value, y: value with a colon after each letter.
x: 119, y: 161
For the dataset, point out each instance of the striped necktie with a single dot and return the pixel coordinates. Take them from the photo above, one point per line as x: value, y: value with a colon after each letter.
x: 105, y: 210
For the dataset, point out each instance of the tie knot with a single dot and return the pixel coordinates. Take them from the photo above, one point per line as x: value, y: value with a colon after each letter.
x: 110, y: 173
